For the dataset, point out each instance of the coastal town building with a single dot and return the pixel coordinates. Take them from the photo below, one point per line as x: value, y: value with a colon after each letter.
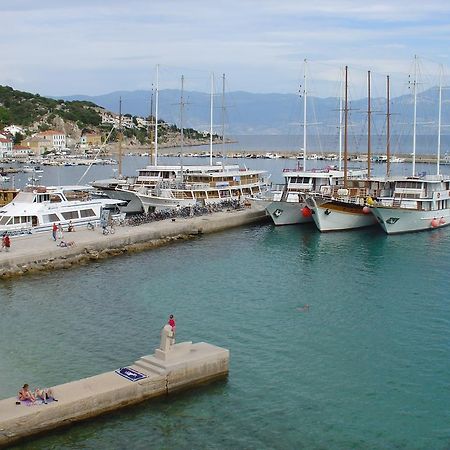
x: 127, y: 120
x: 14, y: 129
x: 6, y: 146
x: 21, y: 151
x: 46, y: 141
x: 91, y: 140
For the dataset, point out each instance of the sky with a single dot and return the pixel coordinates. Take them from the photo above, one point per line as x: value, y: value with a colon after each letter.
x: 98, y: 46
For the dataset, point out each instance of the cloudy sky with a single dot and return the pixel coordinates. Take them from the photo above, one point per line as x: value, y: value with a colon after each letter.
x: 98, y: 46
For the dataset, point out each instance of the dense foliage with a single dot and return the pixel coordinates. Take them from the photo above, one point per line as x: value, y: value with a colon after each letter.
x: 25, y: 109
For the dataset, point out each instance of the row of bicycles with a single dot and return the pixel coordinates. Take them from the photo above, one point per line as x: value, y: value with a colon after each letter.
x: 184, y: 212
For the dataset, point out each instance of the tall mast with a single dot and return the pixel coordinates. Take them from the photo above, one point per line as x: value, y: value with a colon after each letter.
x: 439, y: 124
x: 181, y: 125
x: 369, y: 112
x: 155, y: 146
x: 340, y: 121
x: 223, y: 115
x: 150, y: 128
x: 415, y: 116
x: 120, y: 137
x: 304, y: 117
x: 345, y: 125
x: 388, y: 128
x: 211, y: 125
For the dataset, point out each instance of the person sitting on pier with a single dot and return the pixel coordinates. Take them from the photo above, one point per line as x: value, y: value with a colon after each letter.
x: 25, y: 394
x: 66, y: 244
x: 43, y: 394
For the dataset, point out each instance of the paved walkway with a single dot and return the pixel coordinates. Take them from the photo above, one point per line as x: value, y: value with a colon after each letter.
x: 40, y: 248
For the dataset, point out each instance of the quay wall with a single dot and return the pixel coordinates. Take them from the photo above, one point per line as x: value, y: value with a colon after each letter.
x: 89, y: 397
x: 39, y: 252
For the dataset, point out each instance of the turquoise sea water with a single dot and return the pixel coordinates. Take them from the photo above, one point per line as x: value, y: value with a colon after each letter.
x: 367, y: 367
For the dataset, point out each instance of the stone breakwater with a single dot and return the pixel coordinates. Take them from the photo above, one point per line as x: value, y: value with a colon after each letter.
x: 170, y: 369
x: 30, y: 254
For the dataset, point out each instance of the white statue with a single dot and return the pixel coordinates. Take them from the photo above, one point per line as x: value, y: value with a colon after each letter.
x: 167, y: 338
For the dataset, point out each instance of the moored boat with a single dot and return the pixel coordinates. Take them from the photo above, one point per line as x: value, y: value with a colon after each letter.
x: 37, y: 208
x: 7, y: 195
x: 205, y: 185
x: 289, y: 205
x: 415, y: 204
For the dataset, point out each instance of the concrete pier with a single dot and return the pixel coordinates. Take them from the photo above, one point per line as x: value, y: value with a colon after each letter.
x: 173, y: 367
x: 39, y: 252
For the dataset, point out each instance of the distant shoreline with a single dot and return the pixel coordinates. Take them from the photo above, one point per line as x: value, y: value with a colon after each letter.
x: 174, y: 151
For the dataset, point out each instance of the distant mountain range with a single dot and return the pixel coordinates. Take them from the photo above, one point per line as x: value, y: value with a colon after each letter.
x: 278, y: 114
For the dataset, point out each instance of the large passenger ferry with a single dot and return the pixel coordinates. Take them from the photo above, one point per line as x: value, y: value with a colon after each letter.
x: 37, y: 208
x: 204, y: 185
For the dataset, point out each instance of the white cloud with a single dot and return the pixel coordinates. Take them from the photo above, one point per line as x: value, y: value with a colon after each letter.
x: 51, y: 46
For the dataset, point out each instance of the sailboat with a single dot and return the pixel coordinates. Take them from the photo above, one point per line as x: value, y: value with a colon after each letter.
x: 344, y: 208
x: 289, y: 205
x: 416, y: 203
x: 203, y: 184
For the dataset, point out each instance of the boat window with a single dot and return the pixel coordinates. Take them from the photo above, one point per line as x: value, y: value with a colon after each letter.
x: 4, y: 220
x: 51, y: 218
x: 55, y: 198
x: 70, y: 215
x: 24, y: 219
x: 42, y: 198
x: 16, y: 220
x: 87, y: 213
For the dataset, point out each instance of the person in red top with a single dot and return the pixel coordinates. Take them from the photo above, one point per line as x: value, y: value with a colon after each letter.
x: 7, y: 242
x: 171, y: 322
x: 54, y: 230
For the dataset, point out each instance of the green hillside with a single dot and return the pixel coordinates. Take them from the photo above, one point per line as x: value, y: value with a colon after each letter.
x: 32, y: 112
x: 25, y: 109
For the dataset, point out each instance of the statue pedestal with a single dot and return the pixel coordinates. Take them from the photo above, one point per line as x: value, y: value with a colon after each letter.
x: 175, y: 351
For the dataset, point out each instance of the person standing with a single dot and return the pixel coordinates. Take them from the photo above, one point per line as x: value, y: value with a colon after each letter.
x: 60, y: 231
x: 6, y: 242
x: 172, y: 323
x: 54, y: 230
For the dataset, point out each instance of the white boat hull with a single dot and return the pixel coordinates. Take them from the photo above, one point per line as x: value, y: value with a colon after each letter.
x: 403, y: 220
x: 133, y: 205
x: 335, y: 215
x: 164, y: 202
x: 287, y: 213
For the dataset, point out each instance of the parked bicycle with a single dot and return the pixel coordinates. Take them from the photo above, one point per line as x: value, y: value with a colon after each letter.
x: 109, y: 229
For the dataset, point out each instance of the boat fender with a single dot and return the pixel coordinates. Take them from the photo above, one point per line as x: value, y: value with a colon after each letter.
x: 434, y: 223
x: 441, y: 221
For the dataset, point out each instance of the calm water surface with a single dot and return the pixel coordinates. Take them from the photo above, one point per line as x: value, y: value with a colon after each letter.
x: 367, y: 367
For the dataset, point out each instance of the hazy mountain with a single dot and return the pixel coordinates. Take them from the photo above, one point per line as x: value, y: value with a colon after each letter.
x: 248, y: 113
